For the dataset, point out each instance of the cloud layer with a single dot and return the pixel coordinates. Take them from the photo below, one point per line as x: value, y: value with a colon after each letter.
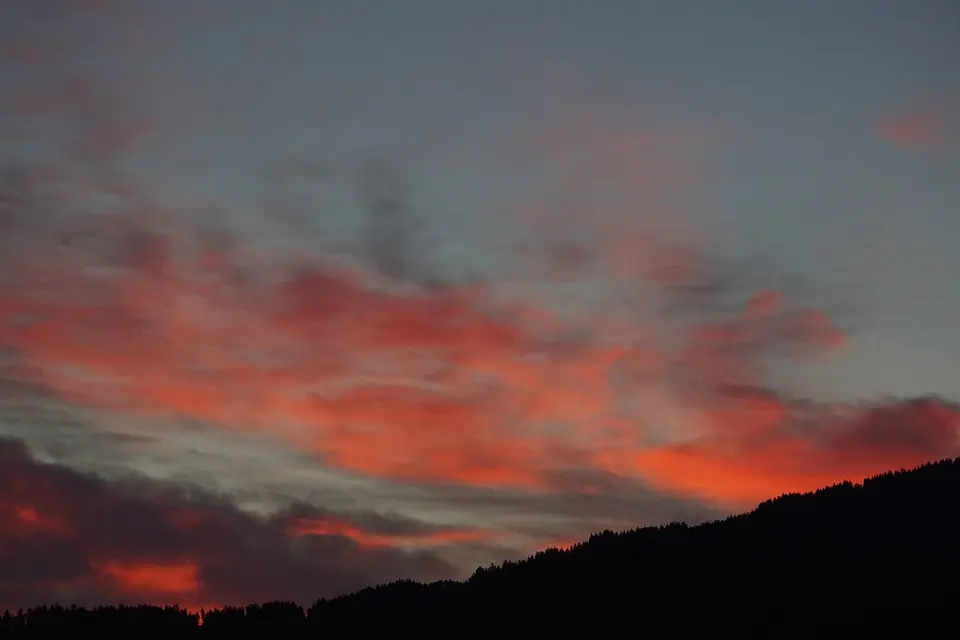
x: 605, y: 370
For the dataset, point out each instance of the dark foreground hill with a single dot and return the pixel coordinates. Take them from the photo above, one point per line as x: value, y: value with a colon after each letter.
x: 877, y: 558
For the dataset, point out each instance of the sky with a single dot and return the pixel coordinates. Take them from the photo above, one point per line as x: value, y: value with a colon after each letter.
x: 299, y: 297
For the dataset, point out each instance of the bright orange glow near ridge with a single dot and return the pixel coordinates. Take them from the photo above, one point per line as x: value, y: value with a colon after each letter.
x: 146, y: 577
x: 560, y: 543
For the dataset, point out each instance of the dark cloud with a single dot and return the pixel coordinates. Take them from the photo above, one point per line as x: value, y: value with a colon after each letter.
x: 393, y: 236
x: 928, y: 427
x: 73, y: 537
x: 388, y: 231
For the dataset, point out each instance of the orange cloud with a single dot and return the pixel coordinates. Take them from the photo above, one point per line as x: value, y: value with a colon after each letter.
x: 852, y: 443
x: 330, y: 527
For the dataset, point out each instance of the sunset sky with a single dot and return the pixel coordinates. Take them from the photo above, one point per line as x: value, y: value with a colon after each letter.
x: 296, y: 297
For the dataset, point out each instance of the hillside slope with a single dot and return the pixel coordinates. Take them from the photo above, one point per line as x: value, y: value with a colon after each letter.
x: 878, y: 557
x: 874, y: 555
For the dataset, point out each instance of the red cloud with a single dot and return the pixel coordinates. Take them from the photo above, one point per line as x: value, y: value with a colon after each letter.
x: 175, y: 580
x: 306, y: 526
x: 445, y: 385
x: 921, y: 126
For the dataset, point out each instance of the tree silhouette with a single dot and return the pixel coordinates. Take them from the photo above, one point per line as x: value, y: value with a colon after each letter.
x: 878, y: 557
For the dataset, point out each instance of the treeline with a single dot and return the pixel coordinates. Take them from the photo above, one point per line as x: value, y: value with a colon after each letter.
x: 881, y: 557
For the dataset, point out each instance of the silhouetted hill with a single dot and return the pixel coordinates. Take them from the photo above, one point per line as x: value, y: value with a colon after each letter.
x: 881, y: 557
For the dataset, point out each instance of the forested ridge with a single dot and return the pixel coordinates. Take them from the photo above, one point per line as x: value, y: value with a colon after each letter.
x: 877, y: 557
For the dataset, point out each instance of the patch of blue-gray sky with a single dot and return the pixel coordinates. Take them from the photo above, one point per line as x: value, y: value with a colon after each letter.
x: 789, y: 98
